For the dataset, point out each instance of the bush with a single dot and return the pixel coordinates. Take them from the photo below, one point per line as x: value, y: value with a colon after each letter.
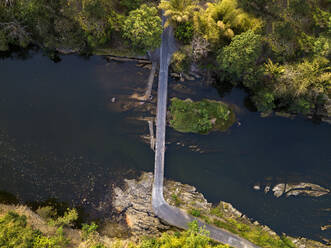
x: 89, y: 230
x: 180, y: 61
x: 176, y: 199
x: 301, y: 106
x: 195, y: 212
x: 184, y: 32
x: 264, y: 101
x: 67, y: 219
x: 46, y: 212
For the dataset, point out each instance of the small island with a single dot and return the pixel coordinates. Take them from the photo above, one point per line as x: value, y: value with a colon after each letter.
x: 200, y: 116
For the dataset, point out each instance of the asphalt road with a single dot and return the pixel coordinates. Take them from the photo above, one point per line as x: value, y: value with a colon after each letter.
x: 172, y: 215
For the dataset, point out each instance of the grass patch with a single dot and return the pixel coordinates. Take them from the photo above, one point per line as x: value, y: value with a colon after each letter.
x: 176, y: 199
x: 195, y: 213
x: 200, y: 117
x: 255, y: 234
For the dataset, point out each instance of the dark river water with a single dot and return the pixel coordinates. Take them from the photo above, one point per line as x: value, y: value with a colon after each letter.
x: 62, y: 137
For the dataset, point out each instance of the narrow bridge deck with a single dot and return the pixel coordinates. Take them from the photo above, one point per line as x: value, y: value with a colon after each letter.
x: 175, y: 216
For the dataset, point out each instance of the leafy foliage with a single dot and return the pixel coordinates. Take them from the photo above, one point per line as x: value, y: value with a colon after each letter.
x: 256, y: 234
x: 67, y: 219
x: 180, y: 61
x: 94, y: 18
x: 223, y: 20
x: 184, y: 32
x: 131, y: 4
x: 200, y: 117
x: 195, y: 236
x: 178, y: 11
x: 89, y: 230
x: 16, y: 233
x: 239, y: 58
x: 264, y: 101
x: 143, y: 28
x: 195, y: 213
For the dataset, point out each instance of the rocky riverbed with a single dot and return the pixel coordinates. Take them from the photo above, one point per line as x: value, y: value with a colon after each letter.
x: 133, y: 202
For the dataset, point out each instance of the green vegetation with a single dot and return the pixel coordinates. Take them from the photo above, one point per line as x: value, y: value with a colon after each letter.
x: 67, y: 219
x: 143, y: 28
x: 221, y: 21
x: 278, y: 50
x: 80, y: 25
x: 195, y: 212
x: 238, y: 58
x: 200, y: 117
x: 15, y: 232
x: 178, y: 11
x: 256, y: 234
x: 184, y: 32
x: 175, y: 198
x: 193, y: 237
x: 180, y: 61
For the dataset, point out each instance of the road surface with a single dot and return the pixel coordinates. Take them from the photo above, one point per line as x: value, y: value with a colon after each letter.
x: 172, y: 215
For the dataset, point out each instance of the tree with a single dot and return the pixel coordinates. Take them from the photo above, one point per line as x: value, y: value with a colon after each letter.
x: 223, y: 19
x: 178, y: 11
x: 238, y: 59
x: 143, y: 28
x: 93, y: 17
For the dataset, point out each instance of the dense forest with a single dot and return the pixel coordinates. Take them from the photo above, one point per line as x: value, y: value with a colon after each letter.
x: 278, y: 50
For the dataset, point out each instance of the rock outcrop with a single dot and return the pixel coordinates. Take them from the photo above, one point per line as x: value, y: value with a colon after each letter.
x: 134, y: 203
x: 294, y: 189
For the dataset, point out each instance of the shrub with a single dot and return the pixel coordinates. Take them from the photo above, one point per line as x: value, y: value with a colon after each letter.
x: 184, y: 32
x: 89, y: 230
x: 67, y: 219
x: 47, y: 212
x: 195, y: 212
x: 264, y: 101
x: 176, y: 199
x: 180, y: 61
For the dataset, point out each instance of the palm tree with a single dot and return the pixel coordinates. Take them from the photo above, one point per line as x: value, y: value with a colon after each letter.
x: 178, y: 10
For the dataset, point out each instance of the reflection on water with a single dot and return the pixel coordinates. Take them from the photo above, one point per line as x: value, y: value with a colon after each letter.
x: 64, y: 134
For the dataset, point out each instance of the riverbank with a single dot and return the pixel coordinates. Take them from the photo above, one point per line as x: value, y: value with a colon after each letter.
x: 133, y: 202
x: 136, y: 218
x: 95, y: 151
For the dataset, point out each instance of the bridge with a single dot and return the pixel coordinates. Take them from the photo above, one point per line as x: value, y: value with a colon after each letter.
x: 169, y: 214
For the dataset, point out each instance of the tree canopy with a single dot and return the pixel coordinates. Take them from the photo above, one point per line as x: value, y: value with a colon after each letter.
x: 143, y: 27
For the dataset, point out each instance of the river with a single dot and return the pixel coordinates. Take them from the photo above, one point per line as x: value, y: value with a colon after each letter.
x: 63, y: 137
